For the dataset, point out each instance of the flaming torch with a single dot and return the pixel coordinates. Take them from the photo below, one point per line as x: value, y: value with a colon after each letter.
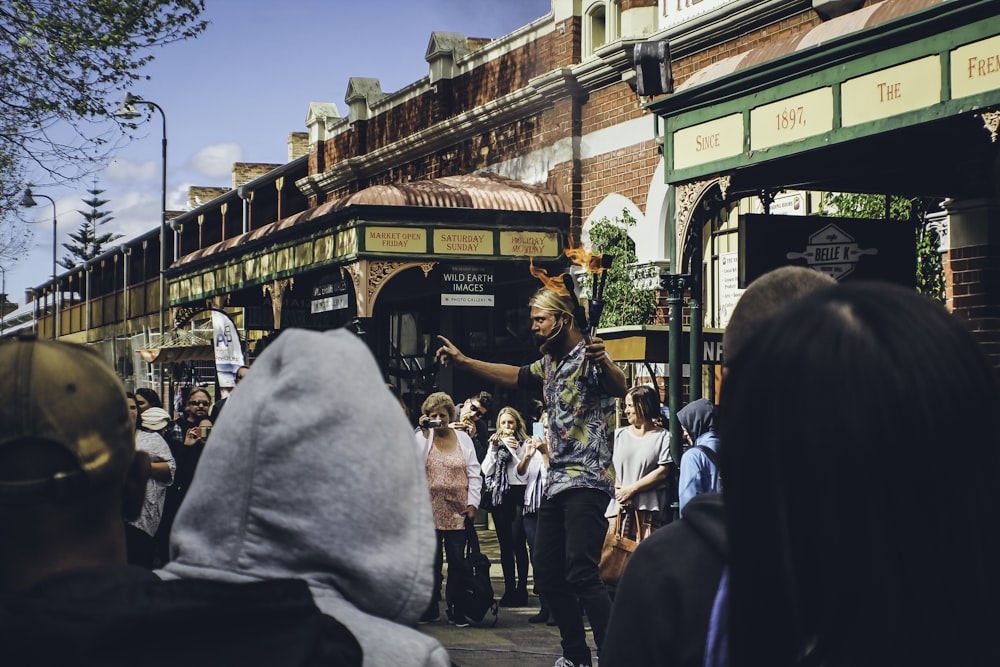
x: 565, y: 285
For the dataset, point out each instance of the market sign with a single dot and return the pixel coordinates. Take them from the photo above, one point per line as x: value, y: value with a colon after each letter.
x: 843, y: 248
x: 467, y: 286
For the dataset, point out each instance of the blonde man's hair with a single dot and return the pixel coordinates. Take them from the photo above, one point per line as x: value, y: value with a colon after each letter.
x: 553, y: 302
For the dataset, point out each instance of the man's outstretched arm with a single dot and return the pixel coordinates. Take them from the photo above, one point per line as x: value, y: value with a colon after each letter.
x: 450, y: 355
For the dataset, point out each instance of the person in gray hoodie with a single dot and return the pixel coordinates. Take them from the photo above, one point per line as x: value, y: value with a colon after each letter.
x: 311, y: 474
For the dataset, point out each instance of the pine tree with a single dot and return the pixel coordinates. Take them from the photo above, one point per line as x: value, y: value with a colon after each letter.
x: 86, y: 242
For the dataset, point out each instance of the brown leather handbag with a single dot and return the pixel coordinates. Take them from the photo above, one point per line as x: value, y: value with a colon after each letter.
x: 617, y: 548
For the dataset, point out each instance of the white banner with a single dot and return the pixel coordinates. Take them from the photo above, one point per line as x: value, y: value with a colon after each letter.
x: 228, y: 351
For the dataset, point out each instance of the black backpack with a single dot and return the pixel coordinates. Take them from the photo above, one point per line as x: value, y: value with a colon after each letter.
x: 475, y: 594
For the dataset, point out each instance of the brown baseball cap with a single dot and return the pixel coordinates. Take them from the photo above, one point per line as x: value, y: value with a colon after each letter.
x: 64, y: 421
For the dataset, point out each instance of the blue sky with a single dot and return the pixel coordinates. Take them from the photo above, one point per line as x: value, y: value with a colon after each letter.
x: 237, y: 91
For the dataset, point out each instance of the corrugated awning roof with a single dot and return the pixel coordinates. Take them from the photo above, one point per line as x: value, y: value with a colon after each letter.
x: 473, y: 191
x: 478, y: 191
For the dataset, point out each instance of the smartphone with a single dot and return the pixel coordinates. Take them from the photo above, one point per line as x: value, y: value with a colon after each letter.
x: 433, y: 423
x: 538, y: 430
x: 203, y: 431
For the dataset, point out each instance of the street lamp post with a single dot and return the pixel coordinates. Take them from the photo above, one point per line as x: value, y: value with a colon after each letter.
x: 28, y: 201
x: 3, y: 295
x: 129, y: 112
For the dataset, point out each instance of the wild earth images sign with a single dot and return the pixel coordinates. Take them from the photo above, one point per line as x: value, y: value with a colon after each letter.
x: 467, y: 286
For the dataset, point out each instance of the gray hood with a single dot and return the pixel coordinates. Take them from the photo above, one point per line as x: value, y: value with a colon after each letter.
x: 310, y: 473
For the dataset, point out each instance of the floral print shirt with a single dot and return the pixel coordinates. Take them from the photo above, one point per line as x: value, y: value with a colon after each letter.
x: 579, y: 412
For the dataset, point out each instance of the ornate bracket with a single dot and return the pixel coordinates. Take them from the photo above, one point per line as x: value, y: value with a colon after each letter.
x: 277, y: 291
x: 370, y: 275
x: 688, y: 198
x: 766, y: 198
x: 991, y: 121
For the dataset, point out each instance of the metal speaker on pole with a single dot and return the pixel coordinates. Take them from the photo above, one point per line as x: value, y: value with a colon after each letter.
x: 653, y: 75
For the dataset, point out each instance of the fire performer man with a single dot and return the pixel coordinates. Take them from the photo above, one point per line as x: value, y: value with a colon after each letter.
x: 579, y: 383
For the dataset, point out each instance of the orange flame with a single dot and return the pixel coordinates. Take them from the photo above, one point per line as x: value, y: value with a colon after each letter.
x: 584, y: 257
x: 579, y: 256
x: 555, y: 284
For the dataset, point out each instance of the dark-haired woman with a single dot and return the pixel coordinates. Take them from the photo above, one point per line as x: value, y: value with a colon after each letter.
x: 147, y: 398
x: 861, y: 448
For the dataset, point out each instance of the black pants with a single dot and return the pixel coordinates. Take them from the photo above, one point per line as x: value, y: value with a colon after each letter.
x: 138, y: 547
x: 453, y: 542
x: 508, y: 519
x: 571, y: 529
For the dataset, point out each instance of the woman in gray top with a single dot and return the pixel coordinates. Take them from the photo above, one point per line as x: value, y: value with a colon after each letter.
x: 641, y: 456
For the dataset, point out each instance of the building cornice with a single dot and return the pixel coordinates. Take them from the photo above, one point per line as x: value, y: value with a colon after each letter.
x: 541, y: 92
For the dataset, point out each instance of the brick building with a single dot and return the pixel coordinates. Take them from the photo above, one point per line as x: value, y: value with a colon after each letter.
x: 511, y: 147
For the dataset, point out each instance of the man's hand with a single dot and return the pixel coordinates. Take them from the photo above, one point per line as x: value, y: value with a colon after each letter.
x: 596, y: 350
x: 612, y: 378
x: 467, y: 426
x: 448, y: 353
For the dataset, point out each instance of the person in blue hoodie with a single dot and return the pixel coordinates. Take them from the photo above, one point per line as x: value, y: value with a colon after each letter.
x: 699, y: 470
x: 311, y: 474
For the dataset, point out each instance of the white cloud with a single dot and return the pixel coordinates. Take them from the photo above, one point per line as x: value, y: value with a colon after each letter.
x: 216, y: 161
x: 123, y: 170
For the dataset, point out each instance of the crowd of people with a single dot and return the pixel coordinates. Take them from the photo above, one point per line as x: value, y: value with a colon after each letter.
x: 818, y: 523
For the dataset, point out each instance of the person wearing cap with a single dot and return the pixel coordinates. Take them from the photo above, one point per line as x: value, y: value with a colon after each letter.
x: 69, y: 474
x: 140, y: 532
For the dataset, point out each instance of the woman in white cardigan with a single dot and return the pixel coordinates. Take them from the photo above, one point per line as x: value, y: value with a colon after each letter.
x: 455, y: 486
x: 507, y: 486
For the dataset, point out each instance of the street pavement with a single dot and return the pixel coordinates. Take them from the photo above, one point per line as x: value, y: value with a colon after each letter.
x: 513, y: 641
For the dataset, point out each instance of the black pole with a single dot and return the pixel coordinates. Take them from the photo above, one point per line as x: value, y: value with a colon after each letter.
x: 675, y: 284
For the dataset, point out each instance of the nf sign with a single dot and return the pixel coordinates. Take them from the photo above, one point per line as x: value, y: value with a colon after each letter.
x: 467, y: 286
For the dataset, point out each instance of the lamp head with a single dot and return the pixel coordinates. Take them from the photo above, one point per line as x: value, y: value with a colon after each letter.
x: 27, y: 201
x: 128, y: 110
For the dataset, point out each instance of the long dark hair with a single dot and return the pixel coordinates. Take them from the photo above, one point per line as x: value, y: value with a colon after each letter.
x: 861, y: 439
x: 151, y: 397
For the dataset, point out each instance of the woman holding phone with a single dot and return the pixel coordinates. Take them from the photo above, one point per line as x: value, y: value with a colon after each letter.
x: 455, y: 485
x: 507, y: 485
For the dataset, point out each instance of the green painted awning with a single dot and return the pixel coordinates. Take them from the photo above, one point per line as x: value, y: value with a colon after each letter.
x: 899, y: 97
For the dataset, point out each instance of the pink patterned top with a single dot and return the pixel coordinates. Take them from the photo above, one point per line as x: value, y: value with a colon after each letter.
x: 449, y: 485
